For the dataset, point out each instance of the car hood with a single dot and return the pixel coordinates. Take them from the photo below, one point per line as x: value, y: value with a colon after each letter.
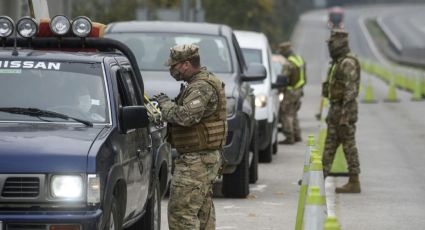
x: 161, y: 82
x: 45, y: 147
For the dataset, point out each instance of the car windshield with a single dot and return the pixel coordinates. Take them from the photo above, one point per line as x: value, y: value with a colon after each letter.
x: 73, y: 89
x: 153, y: 49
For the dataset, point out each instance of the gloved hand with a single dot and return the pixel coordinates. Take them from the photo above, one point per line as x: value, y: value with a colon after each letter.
x: 161, y: 98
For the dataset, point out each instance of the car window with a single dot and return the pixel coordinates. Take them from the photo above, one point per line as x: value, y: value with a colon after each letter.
x: 252, y: 55
x: 74, y: 89
x: 126, y: 88
x: 153, y: 49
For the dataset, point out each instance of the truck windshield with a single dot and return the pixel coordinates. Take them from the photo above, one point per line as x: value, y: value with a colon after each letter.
x: 153, y: 49
x: 73, y: 89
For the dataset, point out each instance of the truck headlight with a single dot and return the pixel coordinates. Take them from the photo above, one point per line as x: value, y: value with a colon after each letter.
x: 260, y: 101
x: 66, y: 186
x: 231, y: 106
x: 93, y: 189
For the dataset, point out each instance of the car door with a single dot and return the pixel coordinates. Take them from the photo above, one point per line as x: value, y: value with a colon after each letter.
x: 138, y: 162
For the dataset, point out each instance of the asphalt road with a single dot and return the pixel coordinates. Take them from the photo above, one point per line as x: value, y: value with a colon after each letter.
x: 390, y: 138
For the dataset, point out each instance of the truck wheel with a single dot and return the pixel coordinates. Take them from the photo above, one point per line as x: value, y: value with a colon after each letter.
x: 114, y: 219
x: 275, y: 147
x: 236, y: 185
x: 253, y: 168
x: 266, y: 154
x: 152, y: 218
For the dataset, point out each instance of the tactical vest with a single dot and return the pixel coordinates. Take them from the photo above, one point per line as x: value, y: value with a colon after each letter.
x: 336, y: 85
x: 300, y: 78
x: 211, y: 132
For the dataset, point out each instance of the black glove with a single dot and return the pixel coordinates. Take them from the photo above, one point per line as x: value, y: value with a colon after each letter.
x: 161, y: 98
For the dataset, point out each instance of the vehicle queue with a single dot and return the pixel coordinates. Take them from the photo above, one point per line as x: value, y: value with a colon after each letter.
x: 128, y: 156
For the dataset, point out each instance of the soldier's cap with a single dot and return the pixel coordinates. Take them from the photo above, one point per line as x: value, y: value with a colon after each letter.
x: 338, y: 34
x: 181, y: 53
x: 284, y: 46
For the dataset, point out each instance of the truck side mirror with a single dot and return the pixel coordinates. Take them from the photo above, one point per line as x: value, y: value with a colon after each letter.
x: 282, y: 81
x: 133, y: 117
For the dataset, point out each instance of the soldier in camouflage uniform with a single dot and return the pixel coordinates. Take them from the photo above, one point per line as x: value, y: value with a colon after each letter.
x: 197, y: 129
x: 342, y: 88
x: 294, y: 70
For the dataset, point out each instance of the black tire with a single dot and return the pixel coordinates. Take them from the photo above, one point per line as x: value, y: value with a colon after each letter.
x: 266, y: 154
x: 152, y: 218
x: 253, y: 168
x: 114, y: 221
x: 236, y: 185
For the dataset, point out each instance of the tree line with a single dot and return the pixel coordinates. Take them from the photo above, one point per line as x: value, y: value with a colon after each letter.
x: 275, y: 18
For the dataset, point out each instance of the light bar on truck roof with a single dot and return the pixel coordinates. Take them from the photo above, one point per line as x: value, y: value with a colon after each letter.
x: 81, y: 26
x: 27, y: 27
x: 6, y: 26
x: 60, y: 25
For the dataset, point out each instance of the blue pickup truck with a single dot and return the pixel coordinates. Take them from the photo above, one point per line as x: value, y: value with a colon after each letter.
x: 81, y: 146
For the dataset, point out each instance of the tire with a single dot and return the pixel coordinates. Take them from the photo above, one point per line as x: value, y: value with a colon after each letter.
x: 152, y: 218
x: 275, y: 143
x: 253, y: 168
x: 114, y: 221
x: 266, y: 154
x: 236, y: 185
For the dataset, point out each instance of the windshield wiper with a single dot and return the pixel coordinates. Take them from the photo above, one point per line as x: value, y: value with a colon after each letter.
x: 42, y: 113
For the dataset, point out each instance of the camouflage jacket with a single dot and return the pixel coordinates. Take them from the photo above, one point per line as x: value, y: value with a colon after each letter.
x: 200, y: 101
x: 343, y: 80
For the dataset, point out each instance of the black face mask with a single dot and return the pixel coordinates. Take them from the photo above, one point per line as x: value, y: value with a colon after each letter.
x: 176, y: 74
x: 337, y: 49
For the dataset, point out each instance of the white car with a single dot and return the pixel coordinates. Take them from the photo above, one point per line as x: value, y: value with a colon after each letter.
x: 255, y: 48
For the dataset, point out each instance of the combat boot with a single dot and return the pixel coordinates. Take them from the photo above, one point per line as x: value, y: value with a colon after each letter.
x: 287, y: 141
x: 353, y: 185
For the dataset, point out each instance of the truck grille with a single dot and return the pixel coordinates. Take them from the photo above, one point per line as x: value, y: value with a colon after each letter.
x: 21, y: 187
x: 26, y: 227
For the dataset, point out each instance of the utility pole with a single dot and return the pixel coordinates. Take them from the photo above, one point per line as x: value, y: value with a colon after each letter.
x: 184, y: 10
x: 38, y: 9
x: 199, y: 12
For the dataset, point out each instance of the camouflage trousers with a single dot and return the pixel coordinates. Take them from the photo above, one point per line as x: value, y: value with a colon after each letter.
x: 190, y: 205
x: 289, y: 114
x: 341, y: 135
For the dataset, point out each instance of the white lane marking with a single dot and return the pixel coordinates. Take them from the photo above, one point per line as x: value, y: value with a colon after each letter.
x: 258, y: 187
x: 370, y: 41
x: 273, y: 203
x: 330, y: 196
x: 391, y: 36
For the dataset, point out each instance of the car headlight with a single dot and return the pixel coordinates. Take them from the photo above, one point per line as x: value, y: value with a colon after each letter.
x: 281, y: 96
x: 231, y: 106
x: 260, y: 101
x: 93, y: 189
x: 66, y: 186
